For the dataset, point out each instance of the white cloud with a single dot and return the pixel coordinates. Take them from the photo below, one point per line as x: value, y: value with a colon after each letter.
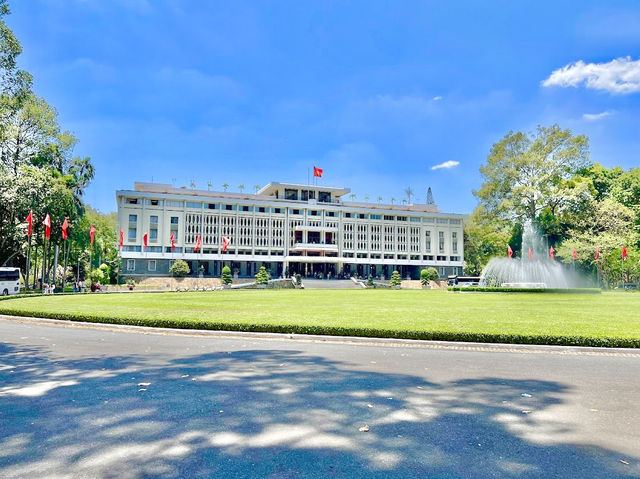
x: 595, y: 116
x: 621, y: 75
x: 446, y: 164
x: 436, y: 98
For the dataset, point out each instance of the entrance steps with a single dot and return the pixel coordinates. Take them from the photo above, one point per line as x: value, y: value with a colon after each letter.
x: 330, y: 284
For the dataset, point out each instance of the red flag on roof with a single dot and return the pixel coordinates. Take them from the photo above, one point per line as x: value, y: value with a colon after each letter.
x: 121, y: 244
x: 226, y: 241
x: 198, y: 244
x: 29, y: 222
x: 624, y: 253
x: 145, y: 238
x: 92, y: 234
x: 552, y: 252
x: 509, y: 251
x: 317, y: 171
x: 47, y: 226
x: 575, y: 255
x: 172, y: 239
x: 530, y: 254
x: 65, y: 225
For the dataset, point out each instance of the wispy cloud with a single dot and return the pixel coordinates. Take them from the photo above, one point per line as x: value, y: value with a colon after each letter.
x: 595, y: 116
x: 436, y: 98
x: 446, y: 165
x: 621, y: 75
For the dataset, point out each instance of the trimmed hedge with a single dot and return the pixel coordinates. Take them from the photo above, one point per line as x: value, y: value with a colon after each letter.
x: 610, y: 342
x: 490, y: 289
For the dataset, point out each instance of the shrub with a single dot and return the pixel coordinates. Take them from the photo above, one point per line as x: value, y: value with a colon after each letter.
x: 99, y: 275
x: 370, y: 283
x: 396, y: 279
x: 262, y: 277
x: 428, y: 274
x: 298, y: 279
x: 226, y: 275
x: 179, y: 268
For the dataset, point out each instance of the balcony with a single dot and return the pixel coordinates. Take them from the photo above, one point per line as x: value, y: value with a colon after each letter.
x: 316, y: 228
x: 321, y: 247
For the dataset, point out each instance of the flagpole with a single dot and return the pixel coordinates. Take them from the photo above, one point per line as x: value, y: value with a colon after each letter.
x: 44, y: 257
x: 67, y: 247
x: 28, y: 265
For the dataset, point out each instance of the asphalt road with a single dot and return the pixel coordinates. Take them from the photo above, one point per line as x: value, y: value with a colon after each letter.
x: 116, y: 402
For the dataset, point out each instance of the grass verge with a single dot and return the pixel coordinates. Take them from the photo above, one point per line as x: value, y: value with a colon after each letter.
x: 608, y: 319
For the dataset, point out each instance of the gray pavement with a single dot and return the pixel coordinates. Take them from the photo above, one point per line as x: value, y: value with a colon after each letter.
x: 78, y: 401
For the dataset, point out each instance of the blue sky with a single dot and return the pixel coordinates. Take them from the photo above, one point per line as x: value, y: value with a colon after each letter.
x: 376, y: 93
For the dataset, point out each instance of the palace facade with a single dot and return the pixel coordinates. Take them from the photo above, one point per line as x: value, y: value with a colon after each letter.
x: 288, y: 228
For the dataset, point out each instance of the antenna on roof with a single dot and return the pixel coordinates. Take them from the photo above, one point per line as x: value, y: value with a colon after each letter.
x: 430, y: 200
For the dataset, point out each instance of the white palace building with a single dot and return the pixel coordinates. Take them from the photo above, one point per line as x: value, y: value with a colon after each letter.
x: 288, y: 228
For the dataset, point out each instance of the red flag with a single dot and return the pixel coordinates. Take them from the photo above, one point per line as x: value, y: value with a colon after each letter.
x: 65, y: 225
x: 144, y: 240
x: 597, y: 253
x: 509, y: 251
x: 317, y: 171
x: 575, y: 255
x: 226, y: 241
x: 198, y: 243
x: 92, y: 234
x: 172, y: 238
x: 552, y: 252
x: 624, y: 253
x: 530, y: 254
x: 121, y: 244
x: 30, y: 222
x: 47, y: 224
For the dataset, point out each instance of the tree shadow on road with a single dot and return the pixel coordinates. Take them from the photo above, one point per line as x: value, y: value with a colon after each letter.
x: 278, y: 414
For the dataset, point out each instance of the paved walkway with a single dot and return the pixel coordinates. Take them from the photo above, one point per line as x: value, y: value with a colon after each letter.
x: 330, y: 284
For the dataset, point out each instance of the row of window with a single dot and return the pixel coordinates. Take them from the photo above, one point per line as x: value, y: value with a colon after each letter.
x: 152, y: 264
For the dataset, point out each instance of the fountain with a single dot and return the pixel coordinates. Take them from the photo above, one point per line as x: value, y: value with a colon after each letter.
x: 535, y: 269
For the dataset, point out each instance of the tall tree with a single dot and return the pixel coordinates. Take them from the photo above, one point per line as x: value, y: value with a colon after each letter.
x: 525, y: 173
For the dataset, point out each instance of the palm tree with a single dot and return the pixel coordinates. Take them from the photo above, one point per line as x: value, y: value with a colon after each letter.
x: 82, y: 171
x: 225, y: 186
x: 379, y: 199
x: 404, y: 201
x: 366, y: 198
x: 409, y: 193
x: 209, y: 185
x: 352, y: 196
x: 256, y: 188
x: 392, y: 200
x: 192, y: 185
x: 241, y: 187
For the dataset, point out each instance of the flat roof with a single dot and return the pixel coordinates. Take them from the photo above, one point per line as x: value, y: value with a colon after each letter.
x: 272, y: 187
x: 267, y: 193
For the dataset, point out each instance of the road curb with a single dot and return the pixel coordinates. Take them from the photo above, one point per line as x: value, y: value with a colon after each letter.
x: 354, y: 340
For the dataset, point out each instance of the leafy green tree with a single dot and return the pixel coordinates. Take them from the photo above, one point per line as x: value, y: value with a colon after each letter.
x: 608, y: 227
x: 226, y: 275
x: 179, y: 268
x: 396, y: 279
x: 484, y: 238
x: 526, y: 173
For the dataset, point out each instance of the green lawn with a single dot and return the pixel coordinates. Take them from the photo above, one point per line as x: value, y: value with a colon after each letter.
x: 599, y: 319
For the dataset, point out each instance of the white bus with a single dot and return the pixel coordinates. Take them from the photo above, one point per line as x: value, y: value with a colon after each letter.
x: 9, y: 281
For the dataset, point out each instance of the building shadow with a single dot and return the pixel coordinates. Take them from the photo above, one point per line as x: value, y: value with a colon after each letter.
x: 276, y: 414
